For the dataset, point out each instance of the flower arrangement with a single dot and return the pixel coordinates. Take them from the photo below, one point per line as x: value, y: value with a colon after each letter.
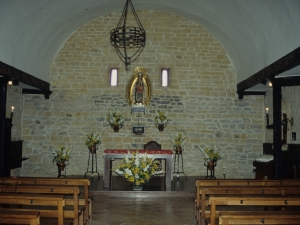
x: 210, y: 154
x: 161, y: 118
x: 115, y: 119
x: 138, y: 168
x: 179, y: 140
x: 61, y: 154
x: 93, y: 138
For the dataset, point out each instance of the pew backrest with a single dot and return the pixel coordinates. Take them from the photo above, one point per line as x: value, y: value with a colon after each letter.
x: 65, y: 190
x: 36, y: 200
x: 215, y: 201
x: 204, y: 192
x: 259, y: 217
x: 19, y: 217
x: 51, y: 181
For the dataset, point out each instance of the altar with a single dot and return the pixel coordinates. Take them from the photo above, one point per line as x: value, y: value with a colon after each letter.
x: 110, y: 154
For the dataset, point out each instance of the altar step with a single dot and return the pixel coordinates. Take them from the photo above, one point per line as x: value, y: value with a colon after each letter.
x: 181, y: 187
x: 143, y: 194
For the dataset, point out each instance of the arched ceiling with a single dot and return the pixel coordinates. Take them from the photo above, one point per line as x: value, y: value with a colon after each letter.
x: 254, y: 33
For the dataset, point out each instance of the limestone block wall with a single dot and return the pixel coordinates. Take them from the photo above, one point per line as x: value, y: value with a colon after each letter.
x: 201, y: 99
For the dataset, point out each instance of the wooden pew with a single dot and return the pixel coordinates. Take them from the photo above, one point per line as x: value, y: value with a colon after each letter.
x: 205, y: 192
x: 222, y: 182
x: 263, y: 217
x: 249, y: 201
x: 80, y: 182
x: 237, y: 182
x: 19, y: 217
x: 36, y: 200
x: 65, y: 190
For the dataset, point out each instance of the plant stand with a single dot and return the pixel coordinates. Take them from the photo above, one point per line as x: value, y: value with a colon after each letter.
x: 94, y: 156
x: 178, y: 156
x: 212, y: 171
x: 60, y: 172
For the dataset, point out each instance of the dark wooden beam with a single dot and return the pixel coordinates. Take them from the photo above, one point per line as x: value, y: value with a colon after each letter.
x: 285, y: 63
x: 288, y: 81
x: 35, y: 91
x: 11, y: 72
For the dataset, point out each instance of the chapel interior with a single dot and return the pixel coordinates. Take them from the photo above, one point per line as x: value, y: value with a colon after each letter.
x: 225, y: 74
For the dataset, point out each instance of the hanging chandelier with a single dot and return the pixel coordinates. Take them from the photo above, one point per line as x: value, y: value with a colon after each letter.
x: 128, y: 41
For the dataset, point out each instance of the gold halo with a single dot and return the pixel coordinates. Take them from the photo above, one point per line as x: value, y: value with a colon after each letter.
x: 131, y: 84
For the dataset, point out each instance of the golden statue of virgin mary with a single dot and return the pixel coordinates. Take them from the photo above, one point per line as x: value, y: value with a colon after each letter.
x: 138, y: 89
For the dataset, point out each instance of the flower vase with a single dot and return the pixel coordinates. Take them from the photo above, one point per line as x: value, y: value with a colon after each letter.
x: 137, y: 187
x: 160, y: 127
x: 93, y: 149
x: 61, y: 165
x: 116, y: 128
x: 178, y: 150
x: 211, y: 165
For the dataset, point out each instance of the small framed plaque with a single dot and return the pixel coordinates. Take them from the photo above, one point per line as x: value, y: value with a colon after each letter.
x: 138, y: 129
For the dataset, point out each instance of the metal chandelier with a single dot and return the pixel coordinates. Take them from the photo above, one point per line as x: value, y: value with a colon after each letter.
x: 128, y: 41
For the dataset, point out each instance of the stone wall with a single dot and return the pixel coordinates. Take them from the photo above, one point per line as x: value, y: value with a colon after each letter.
x: 200, y: 99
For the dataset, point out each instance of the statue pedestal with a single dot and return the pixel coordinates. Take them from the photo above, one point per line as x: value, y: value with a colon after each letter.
x: 138, y: 108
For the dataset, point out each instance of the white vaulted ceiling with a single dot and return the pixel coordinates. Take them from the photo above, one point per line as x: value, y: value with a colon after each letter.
x: 254, y: 33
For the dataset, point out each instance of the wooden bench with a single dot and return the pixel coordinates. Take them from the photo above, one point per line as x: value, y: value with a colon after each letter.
x: 75, y: 213
x: 237, y: 183
x: 249, y: 201
x: 57, y: 201
x: 205, y: 192
x: 19, y: 217
x: 263, y: 217
x: 51, y: 182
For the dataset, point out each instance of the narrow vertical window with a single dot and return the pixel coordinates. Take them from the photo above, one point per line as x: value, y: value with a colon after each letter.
x: 114, y: 77
x: 165, y: 77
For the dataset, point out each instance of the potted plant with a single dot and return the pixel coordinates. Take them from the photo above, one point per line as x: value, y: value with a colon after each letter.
x: 115, y: 120
x: 161, y: 120
x: 179, y: 142
x: 138, y: 168
x: 92, y: 139
x: 210, y: 156
x: 61, y: 155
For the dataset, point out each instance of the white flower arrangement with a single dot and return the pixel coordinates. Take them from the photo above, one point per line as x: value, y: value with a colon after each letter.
x: 138, y: 168
x: 161, y: 118
x: 93, y: 138
x: 61, y: 154
x: 179, y: 140
x: 210, y: 154
x: 115, y: 119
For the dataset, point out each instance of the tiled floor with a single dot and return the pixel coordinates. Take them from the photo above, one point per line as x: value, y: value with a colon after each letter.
x: 153, y: 205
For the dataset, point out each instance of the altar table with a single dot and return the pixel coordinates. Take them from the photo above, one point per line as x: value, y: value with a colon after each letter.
x: 110, y: 154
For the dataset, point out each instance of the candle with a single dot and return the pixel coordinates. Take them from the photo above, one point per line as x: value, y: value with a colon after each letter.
x: 267, y: 109
x: 12, y: 109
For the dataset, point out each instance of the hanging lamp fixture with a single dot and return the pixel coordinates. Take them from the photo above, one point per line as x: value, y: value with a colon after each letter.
x: 128, y: 41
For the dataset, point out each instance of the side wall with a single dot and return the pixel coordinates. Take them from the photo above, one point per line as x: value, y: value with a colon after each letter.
x: 201, y: 98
